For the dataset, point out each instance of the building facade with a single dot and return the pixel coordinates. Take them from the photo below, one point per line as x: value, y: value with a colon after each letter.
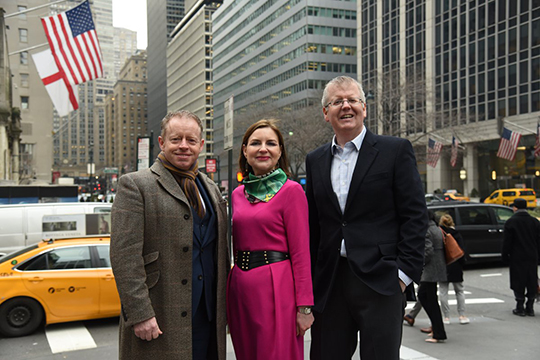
x: 462, y: 69
x: 163, y: 16
x: 126, y: 111
x: 125, y: 45
x: 278, y: 54
x: 189, y: 68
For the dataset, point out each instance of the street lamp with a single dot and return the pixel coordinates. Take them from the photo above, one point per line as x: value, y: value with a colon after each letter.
x: 463, y: 174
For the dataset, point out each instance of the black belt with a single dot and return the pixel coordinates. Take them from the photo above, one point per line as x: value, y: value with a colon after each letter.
x: 248, y: 260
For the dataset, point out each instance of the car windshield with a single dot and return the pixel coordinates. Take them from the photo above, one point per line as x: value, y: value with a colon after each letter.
x: 12, y: 255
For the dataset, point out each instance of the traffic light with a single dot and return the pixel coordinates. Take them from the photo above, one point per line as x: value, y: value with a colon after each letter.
x: 239, y: 177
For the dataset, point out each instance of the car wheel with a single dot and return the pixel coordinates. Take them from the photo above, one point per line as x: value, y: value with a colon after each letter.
x: 20, y: 316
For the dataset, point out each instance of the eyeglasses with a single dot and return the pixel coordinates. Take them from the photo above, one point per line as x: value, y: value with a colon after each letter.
x: 340, y: 102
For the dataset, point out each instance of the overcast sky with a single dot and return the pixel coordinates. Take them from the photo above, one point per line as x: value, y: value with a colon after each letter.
x: 131, y: 14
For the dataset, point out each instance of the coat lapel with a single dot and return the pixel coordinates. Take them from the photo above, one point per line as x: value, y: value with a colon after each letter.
x: 325, y: 169
x: 165, y: 178
x: 366, y: 156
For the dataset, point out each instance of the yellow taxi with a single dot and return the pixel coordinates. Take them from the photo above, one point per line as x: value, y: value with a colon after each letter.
x: 454, y: 195
x: 507, y: 196
x: 56, y: 281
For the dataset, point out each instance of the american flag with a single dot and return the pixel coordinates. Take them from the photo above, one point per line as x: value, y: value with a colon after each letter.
x: 74, y: 44
x: 434, y: 151
x: 508, y: 145
x: 453, y: 155
x: 537, y: 143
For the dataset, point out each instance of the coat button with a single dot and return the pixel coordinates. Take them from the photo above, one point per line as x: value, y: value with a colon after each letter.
x: 185, y: 249
x: 186, y: 216
x: 184, y: 313
x: 199, y: 277
x: 184, y: 282
x: 344, y: 223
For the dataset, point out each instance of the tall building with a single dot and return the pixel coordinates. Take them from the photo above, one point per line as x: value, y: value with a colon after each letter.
x: 442, y: 69
x: 124, y: 45
x: 79, y: 138
x: 126, y: 111
x: 189, y: 68
x: 163, y: 16
x: 278, y: 54
x: 24, y: 35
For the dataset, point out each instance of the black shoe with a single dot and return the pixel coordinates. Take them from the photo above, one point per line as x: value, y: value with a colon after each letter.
x: 529, y: 312
x: 518, y: 312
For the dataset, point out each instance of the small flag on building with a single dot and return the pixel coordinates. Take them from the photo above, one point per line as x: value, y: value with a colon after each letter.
x: 453, y: 155
x: 508, y: 145
x: 434, y: 151
x: 537, y: 143
x: 74, y: 44
x: 63, y: 95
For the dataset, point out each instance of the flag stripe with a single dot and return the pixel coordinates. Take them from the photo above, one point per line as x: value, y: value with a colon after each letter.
x: 94, y: 49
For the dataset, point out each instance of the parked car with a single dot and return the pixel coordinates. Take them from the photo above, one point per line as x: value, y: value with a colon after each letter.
x: 481, y: 225
x: 21, y: 224
x: 433, y: 198
x: 507, y: 197
x: 56, y: 281
x: 454, y: 195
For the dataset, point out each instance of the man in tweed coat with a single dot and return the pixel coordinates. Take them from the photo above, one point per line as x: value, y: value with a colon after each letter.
x: 169, y: 252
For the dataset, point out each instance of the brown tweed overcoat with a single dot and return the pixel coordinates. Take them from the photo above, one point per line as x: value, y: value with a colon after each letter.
x: 151, y: 255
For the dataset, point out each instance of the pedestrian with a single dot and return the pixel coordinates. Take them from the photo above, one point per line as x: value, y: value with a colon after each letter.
x: 270, y: 295
x: 367, y: 216
x: 169, y: 252
x: 521, y: 250
x: 454, y: 274
x: 434, y: 272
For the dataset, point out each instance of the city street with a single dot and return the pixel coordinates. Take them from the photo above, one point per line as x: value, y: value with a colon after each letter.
x: 494, y: 332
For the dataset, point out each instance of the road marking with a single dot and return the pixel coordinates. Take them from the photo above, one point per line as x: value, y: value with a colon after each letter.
x: 491, y: 275
x: 478, y: 301
x: 69, y: 337
x: 406, y: 353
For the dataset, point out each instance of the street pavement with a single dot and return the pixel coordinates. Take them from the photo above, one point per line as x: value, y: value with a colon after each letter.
x: 493, y: 333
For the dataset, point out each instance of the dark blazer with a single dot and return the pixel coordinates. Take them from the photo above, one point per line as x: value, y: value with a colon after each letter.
x: 385, y: 219
x: 151, y: 256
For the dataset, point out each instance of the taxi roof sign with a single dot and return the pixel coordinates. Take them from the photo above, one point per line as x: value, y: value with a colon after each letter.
x: 75, y: 225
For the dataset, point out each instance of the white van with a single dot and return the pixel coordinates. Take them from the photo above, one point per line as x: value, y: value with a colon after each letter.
x: 21, y: 224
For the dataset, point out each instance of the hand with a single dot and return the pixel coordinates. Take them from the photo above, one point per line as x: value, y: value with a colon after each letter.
x: 403, y: 286
x: 303, y: 322
x: 147, y: 329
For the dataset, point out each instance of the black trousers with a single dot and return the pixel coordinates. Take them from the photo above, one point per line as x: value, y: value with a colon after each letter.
x: 427, y: 294
x: 354, y: 307
x: 204, y: 337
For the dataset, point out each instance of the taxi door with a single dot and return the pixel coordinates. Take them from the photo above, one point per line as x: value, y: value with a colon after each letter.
x: 109, y: 301
x: 64, y: 280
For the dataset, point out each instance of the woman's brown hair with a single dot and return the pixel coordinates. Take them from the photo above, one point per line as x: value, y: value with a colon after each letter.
x: 283, y: 161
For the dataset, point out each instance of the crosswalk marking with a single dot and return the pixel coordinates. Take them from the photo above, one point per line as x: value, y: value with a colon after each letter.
x: 406, y: 353
x: 491, y: 275
x: 69, y: 337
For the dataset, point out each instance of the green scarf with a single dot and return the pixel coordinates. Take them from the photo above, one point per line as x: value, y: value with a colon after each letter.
x: 186, y: 180
x: 264, y: 187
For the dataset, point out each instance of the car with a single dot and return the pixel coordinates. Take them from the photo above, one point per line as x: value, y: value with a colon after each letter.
x: 507, y: 197
x: 433, y: 198
x: 454, y: 195
x: 481, y: 225
x: 56, y: 281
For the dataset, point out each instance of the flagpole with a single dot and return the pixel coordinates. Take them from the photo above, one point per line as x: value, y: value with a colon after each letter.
x: 30, y: 48
x: 34, y: 8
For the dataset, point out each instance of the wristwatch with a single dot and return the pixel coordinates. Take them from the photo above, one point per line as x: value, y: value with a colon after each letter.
x: 306, y: 310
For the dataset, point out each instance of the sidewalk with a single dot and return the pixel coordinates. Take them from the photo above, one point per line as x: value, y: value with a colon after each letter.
x: 405, y: 352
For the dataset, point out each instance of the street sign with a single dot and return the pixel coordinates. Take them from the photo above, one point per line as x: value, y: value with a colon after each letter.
x: 211, y: 165
x: 228, y: 124
x: 110, y: 170
x: 143, y: 153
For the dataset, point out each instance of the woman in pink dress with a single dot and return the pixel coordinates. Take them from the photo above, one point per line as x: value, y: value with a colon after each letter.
x: 269, y: 294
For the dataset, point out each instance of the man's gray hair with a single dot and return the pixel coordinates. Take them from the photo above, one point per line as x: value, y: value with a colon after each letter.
x: 341, y: 81
x: 179, y: 114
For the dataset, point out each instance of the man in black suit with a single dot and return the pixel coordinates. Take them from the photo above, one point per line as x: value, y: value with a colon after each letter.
x: 368, y: 221
x: 521, y: 249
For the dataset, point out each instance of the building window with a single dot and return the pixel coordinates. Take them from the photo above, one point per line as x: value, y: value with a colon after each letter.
x: 22, y: 8
x: 24, y: 102
x: 24, y: 80
x: 24, y: 58
x: 23, y: 35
